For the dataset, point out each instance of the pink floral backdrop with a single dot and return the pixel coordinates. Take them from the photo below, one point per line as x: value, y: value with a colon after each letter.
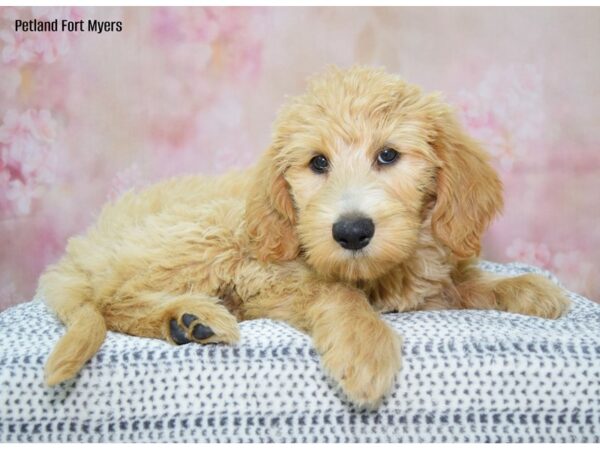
x: 86, y: 116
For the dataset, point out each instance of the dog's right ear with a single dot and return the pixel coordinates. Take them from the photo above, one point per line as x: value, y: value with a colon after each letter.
x: 270, y: 215
x: 469, y: 191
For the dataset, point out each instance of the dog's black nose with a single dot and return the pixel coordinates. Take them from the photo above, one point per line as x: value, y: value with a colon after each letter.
x: 353, y: 233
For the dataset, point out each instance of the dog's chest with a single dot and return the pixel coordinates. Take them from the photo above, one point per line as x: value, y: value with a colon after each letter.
x: 407, y: 289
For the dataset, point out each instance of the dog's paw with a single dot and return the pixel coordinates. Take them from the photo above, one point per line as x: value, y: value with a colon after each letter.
x: 179, y: 333
x: 532, y: 295
x: 208, y: 323
x: 364, y: 362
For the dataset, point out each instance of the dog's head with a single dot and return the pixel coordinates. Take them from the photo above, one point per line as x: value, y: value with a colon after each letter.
x: 357, y: 164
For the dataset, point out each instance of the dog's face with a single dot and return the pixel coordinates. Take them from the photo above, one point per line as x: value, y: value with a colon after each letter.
x: 357, y: 165
x: 359, y: 187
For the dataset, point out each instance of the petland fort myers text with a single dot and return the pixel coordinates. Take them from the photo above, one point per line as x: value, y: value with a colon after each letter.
x: 97, y: 26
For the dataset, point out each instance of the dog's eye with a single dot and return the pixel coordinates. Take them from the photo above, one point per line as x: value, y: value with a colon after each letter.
x: 319, y: 164
x: 387, y: 156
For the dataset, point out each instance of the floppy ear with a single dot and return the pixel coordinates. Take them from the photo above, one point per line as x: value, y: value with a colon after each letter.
x: 469, y: 192
x: 270, y: 216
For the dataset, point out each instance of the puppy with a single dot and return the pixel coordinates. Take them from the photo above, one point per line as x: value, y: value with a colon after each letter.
x: 371, y: 198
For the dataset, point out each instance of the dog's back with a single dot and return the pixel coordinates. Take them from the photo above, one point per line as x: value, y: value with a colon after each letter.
x: 130, y: 233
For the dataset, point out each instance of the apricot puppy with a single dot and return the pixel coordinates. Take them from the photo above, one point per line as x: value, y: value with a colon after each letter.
x: 371, y: 198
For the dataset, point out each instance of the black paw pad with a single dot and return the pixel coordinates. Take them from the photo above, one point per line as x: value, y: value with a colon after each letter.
x: 202, y: 332
x: 177, y: 333
x: 187, y: 319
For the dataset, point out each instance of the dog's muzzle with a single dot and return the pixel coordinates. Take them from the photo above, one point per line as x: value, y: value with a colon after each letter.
x: 353, y: 233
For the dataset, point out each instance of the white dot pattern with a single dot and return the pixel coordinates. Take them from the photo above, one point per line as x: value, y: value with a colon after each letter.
x: 467, y: 376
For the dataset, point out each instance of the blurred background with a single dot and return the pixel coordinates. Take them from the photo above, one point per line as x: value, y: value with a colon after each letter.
x: 86, y: 116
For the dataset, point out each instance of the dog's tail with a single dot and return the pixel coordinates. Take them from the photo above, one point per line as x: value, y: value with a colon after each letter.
x: 67, y: 291
x: 86, y: 331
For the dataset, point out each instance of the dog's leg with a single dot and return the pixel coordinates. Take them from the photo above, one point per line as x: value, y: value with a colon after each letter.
x: 528, y: 294
x: 358, y: 349
x: 179, y: 319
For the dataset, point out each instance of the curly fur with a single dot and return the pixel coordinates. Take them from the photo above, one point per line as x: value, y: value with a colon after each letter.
x: 259, y: 243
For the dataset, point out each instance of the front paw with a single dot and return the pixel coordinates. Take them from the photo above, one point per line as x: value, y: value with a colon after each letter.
x: 363, y: 359
x: 532, y: 295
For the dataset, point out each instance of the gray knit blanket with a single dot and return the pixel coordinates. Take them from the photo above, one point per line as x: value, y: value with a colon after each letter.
x: 467, y: 376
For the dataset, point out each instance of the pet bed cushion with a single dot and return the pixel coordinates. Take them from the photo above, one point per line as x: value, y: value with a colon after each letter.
x: 467, y: 376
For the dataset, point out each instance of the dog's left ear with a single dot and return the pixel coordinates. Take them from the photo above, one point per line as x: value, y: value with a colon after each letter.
x: 270, y: 215
x: 469, y: 192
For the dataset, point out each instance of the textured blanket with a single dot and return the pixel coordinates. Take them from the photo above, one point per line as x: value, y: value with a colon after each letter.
x: 467, y: 376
